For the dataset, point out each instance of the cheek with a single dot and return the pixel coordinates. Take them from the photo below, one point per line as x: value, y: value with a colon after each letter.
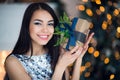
x: 32, y: 31
x: 51, y: 30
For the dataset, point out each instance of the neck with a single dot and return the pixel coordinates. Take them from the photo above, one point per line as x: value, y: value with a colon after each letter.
x: 37, y: 50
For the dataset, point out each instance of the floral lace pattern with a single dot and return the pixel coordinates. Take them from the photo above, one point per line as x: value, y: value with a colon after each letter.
x: 37, y: 67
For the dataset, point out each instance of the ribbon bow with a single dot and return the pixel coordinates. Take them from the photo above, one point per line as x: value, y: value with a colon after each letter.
x: 67, y: 31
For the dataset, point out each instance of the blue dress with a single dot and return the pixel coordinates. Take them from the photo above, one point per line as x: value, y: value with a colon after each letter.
x: 37, y: 67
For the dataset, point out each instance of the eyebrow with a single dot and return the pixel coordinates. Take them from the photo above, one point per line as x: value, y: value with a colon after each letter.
x: 42, y: 21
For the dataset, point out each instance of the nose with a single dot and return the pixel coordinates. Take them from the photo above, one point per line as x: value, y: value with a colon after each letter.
x: 45, y: 29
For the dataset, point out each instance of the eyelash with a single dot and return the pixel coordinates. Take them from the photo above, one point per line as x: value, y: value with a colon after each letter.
x: 51, y: 24
x: 37, y: 23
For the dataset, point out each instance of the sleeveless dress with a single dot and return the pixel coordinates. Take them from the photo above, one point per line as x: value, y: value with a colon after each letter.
x: 37, y: 67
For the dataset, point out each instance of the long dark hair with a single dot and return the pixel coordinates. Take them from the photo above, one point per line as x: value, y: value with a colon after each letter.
x: 24, y: 43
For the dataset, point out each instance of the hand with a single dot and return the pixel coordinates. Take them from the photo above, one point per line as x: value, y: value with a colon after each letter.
x: 85, y: 47
x: 68, y: 57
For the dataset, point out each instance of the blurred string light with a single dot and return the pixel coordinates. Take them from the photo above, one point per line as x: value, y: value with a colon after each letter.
x: 88, y: 64
x: 98, y: 2
x: 117, y: 35
x: 118, y: 32
x: 96, y: 54
x: 109, y: 17
x: 91, y: 50
x: 87, y: 74
x: 107, y: 60
x: 116, y: 12
x: 118, y: 29
x: 112, y: 76
x: 82, y: 68
x: 104, y: 25
x: 81, y: 7
x: 117, y: 55
x: 89, y: 12
x: 102, y: 9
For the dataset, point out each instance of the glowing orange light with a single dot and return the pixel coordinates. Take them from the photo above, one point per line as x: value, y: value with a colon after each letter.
x: 90, y: 50
x: 81, y: 7
x: 117, y: 35
x: 116, y: 12
x: 117, y: 55
x: 112, y: 76
x: 118, y: 29
x: 107, y: 60
x: 98, y: 1
x: 109, y: 17
x: 96, y: 53
x: 89, y: 12
x: 87, y: 74
x: 104, y: 25
x: 82, y: 68
x: 102, y: 9
x: 87, y: 64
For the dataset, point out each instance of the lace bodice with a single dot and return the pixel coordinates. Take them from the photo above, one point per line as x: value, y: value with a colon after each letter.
x: 37, y: 67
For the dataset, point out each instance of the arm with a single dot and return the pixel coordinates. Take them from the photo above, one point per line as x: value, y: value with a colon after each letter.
x: 65, y: 59
x: 78, y: 62
x: 15, y: 70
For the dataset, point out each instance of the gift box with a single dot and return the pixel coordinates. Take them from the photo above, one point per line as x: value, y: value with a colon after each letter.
x: 72, y: 32
x: 79, y: 32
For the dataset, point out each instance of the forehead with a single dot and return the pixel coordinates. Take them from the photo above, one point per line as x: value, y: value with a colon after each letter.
x: 42, y: 14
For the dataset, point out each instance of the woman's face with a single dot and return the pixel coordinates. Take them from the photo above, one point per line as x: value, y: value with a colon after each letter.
x: 41, y: 27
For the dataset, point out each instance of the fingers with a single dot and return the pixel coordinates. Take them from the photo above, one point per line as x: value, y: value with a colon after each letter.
x: 74, y: 49
x: 87, y: 33
x: 89, y: 39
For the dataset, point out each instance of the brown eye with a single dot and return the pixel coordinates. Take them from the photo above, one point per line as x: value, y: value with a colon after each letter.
x: 37, y: 23
x: 51, y: 24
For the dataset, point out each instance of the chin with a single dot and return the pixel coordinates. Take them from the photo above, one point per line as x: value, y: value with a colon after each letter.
x: 44, y: 43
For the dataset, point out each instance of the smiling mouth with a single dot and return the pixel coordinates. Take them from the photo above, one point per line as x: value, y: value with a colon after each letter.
x: 43, y: 37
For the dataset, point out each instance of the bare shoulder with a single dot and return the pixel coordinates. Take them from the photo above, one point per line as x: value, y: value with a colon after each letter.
x: 14, y: 69
x: 11, y: 61
x: 13, y: 64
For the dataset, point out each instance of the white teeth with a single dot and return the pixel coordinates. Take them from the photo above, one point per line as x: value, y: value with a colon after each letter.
x: 43, y: 36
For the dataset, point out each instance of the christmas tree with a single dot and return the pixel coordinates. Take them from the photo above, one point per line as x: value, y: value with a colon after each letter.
x: 102, y: 61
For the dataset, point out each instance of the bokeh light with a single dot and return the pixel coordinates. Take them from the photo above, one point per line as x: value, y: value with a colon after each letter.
x: 102, y: 9
x: 112, y: 76
x: 89, y: 12
x: 107, y: 60
x: 98, y: 1
x: 96, y: 54
x: 81, y: 7
x: 118, y: 29
x: 104, y: 25
x: 90, y: 50
x: 116, y: 12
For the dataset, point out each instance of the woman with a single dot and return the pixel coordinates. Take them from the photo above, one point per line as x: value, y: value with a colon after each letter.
x: 34, y: 57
